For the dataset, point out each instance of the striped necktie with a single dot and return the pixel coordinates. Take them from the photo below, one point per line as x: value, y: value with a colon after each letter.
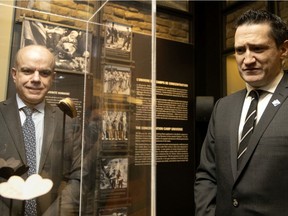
x: 249, y: 125
x: 29, y: 135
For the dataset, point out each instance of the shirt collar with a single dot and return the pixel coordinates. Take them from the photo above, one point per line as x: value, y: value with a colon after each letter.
x: 39, y: 107
x: 271, y: 87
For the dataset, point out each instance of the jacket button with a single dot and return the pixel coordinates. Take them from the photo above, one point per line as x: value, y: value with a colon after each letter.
x: 235, y: 202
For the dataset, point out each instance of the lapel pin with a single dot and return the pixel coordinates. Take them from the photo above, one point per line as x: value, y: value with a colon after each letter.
x: 276, y: 102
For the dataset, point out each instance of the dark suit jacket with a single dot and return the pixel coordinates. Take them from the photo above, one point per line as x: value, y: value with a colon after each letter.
x: 62, y: 169
x: 260, y: 186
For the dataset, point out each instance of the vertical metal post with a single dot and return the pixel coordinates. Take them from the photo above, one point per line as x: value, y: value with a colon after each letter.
x: 153, y: 110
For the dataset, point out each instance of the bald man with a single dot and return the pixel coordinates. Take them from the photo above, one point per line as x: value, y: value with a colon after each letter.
x: 33, y: 75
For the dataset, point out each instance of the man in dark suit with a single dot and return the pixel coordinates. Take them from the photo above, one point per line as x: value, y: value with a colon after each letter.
x: 254, y: 180
x: 33, y: 75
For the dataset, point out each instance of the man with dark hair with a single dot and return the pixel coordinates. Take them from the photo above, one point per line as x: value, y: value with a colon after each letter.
x: 244, y: 158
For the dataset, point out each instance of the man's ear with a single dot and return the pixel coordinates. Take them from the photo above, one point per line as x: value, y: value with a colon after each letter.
x: 13, y: 73
x: 284, y: 49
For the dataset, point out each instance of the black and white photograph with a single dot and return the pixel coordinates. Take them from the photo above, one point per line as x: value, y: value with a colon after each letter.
x: 118, y: 41
x: 117, y: 80
x: 121, y: 211
x: 114, y: 173
x: 114, y: 125
x: 71, y: 47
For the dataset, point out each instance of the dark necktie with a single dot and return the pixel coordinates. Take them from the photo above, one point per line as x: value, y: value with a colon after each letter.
x: 249, y: 124
x: 29, y: 135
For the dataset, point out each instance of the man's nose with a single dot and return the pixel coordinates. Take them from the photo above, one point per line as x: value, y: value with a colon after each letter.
x: 249, y: 58
x: 36, y: 76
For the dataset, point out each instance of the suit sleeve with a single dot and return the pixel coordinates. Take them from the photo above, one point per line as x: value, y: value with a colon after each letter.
x: 205, y: 187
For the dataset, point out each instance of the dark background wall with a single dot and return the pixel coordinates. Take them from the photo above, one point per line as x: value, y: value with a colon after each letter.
x: 208, y: 73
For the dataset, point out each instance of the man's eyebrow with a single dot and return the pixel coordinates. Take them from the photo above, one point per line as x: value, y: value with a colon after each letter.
x: 27, y: 68
x: 34, y: 69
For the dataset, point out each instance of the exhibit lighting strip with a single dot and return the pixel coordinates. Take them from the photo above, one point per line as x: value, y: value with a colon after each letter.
x: 153, y: 111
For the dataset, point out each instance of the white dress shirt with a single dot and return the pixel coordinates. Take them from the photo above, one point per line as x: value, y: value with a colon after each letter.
x: 262, y: 102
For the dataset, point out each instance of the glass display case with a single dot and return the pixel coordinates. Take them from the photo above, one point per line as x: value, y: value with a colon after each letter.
x: 105, y: 84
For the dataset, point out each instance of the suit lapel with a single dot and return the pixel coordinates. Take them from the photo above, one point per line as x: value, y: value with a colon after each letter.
x: 238, y: 105
x: 49, y: 131
x: 12, y: 120
x: 279, y: 96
